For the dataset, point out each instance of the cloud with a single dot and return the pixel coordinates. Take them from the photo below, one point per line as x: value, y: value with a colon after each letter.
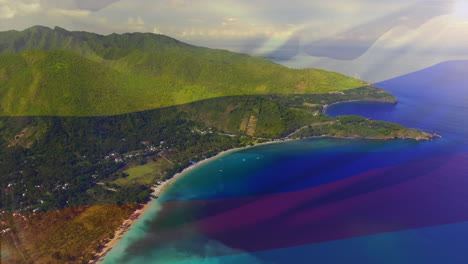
x: 352, y: 43
x: 176, y: 3
x: 13, y: 8
x: 156, y: 30
x: 196, y: 20
x: 93, y: 5
x: 229, y: 21
x: 340, y: 29
x: 400, y: 50
x: 69, y: 13
x: 137, y: 21
x: 234, y: 29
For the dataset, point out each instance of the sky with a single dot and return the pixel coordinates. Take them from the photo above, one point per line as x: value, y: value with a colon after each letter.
x: 333, y: 34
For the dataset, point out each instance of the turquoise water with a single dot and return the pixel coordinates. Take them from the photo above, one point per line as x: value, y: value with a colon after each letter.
x: 326, y: 200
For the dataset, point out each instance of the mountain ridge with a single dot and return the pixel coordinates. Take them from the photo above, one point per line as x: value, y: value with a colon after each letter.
x: 48, y: 72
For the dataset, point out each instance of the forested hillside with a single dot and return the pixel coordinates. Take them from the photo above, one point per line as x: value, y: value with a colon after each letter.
x: 57, y: 72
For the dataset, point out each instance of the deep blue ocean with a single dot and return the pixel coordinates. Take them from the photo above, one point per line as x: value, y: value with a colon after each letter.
x: 327, y: 200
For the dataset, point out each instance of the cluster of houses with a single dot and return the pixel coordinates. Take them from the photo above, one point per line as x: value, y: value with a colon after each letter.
x: 113, y: 156
x: 119, y: 158
x: 202, y: 132
x: 62, y: 187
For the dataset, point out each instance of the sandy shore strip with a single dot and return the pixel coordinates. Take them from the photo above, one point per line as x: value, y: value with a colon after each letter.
x: 163, y: 186
x: 129, y: 222
x: 119, y: 233
x: 157, y: 192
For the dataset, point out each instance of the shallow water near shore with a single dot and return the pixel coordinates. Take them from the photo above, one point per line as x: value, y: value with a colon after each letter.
x: 327, y: 200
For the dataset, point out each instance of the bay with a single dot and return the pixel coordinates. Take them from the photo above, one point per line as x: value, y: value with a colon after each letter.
x: 328, y: 200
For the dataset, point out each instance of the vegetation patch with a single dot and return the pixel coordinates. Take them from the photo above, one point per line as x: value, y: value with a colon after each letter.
x: 148, y: 174
x: 70, y: 235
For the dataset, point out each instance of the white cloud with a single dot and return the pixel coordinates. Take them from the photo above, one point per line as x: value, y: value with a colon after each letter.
x: 137, y: 21
x: 76, y: 13
x: 156, y: 30
x: 229, y: 21
x: 235, y: 29
x: 401, y: 50
x: 196, y: 20
x: 176, y: 3
x: 12, y: 8
x: 6, y: 12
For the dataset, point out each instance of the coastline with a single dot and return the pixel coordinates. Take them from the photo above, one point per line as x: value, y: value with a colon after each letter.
x: 157, y: 192
x: 120, y: 232
x: 163, y: 186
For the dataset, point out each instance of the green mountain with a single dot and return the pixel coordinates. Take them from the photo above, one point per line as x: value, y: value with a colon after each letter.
x: 47, y: 71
